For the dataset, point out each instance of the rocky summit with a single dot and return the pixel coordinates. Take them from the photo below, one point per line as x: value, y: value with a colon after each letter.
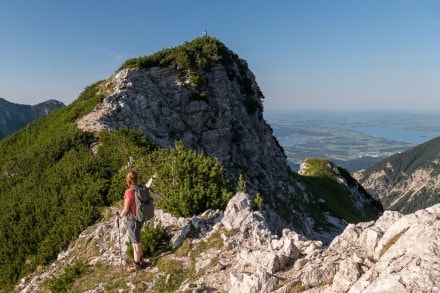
x: 214, y: 105
x: 234, y: 251
x: 213, y: 117
x: 217, y: 117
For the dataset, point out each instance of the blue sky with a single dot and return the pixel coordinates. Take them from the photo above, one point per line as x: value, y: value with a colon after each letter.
x: 309, y: 54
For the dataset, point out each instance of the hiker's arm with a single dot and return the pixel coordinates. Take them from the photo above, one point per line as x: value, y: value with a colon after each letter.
x: 148, y: 184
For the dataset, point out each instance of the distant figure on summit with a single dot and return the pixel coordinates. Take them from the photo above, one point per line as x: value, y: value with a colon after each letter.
x: 129, y: 211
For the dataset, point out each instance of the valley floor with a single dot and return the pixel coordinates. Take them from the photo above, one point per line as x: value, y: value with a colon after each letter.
x: 352, y: 140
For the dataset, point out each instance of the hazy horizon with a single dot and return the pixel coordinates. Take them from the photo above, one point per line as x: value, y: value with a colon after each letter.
x: 294, y: 109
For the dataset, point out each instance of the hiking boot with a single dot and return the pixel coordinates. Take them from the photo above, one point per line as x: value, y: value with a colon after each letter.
x: 143, y: 264
x: 133, y: 267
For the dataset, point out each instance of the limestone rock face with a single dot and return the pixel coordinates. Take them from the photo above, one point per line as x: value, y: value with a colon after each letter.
x: 396, y: 253
x: 162, y: 103
x: 412, y: 188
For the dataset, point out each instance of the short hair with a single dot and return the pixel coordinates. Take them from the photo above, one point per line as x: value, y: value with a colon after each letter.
x: 131, y: 178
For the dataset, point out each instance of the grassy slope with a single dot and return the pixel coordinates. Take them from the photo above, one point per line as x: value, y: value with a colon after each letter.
x: 330, y: 195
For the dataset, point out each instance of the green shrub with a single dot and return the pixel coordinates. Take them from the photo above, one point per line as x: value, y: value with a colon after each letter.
x: 195, y: 79
x: 241, y: 184
x: 188, y: 182
x: 155, y: 240
x: 318, y: 167
x: 257, y: 201
x: 63, y: 282
x: 191, y: 56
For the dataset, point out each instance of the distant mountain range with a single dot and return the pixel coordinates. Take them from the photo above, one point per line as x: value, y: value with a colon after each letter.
x: 15, y: 116
x: 407, y: 181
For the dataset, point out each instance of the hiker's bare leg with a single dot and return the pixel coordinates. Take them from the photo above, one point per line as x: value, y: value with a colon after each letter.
x: 137, y: 252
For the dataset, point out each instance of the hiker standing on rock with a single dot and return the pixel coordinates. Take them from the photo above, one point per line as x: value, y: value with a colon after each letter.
x: 129, y: 213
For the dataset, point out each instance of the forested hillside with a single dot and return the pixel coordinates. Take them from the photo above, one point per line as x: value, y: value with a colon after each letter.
x: 15, y: 116
x: 407, y: 181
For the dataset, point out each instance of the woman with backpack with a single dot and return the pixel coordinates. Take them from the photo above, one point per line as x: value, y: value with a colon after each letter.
x: 129, y: 213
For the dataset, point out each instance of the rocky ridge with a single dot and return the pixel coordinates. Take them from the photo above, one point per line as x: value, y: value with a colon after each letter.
x: 15, y: 116
x: 396, y: 253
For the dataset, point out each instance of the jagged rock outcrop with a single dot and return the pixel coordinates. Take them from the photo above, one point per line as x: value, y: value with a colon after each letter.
x: 15, y: 116
x: 246, y: 247
x: 397, y: 253
x: 160, y: 101
x: 407, y: 181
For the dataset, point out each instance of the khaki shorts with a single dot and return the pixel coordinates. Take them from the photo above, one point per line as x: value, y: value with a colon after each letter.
x: 134, y: 229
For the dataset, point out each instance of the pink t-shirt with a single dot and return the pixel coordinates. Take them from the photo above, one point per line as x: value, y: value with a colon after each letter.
x: 129, y: 194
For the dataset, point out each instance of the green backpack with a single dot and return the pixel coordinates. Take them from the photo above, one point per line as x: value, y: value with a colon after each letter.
x: 144, y: 203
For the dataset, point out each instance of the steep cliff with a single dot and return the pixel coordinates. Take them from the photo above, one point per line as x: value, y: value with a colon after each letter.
x: 15, y: 116
x: 408, y: 181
